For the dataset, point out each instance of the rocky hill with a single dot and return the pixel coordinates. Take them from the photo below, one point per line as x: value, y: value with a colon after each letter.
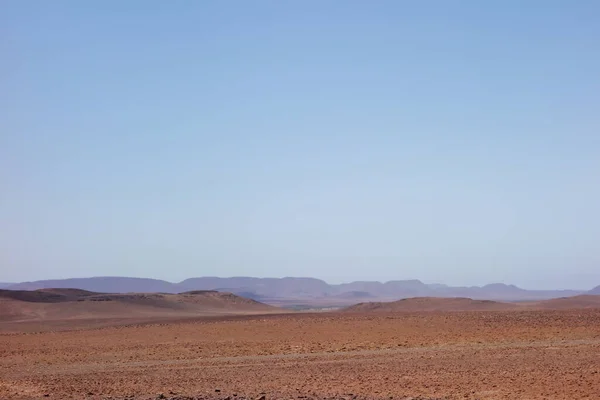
x: 65, y: 304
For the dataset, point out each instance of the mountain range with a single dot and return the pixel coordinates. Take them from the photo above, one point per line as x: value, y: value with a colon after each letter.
x: 302, y: 290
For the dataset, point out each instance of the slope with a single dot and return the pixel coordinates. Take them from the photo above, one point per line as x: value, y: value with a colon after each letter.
x: 417, y: 304
x: 72, y: 304
x: 575, y: 302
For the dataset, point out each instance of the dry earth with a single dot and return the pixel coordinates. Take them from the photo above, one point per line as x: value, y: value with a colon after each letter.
x: 542, y: 354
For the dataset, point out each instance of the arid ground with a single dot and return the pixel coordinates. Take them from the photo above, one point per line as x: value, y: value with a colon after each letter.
x: 522, y: 354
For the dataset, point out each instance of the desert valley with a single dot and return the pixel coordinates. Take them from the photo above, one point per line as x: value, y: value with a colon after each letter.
x: 73, y: 343
x: 411, y: 186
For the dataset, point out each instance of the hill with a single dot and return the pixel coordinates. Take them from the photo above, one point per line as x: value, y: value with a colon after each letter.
x: 418, y: 304
x: 69, y: 304
x: 46, y: 295
x: 581, y: 301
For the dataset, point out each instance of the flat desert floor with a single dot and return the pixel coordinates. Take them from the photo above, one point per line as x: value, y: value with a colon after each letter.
x: 544, y: 354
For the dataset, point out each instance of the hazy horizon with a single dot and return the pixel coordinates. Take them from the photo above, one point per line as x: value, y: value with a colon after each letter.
x: 330, y: 282
x: 450, y: 143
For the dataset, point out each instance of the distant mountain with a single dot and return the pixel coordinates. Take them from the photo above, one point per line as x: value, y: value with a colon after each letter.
x: 595, y: 290
x: 5, y: 285
x: 353, y: 295
x: 437, y: 285
x: 359, y: 286
x: 103, y: 284
x: 405, y: 288
x: 501, y: 292
x: 264, y: 287
x: 303, y: 289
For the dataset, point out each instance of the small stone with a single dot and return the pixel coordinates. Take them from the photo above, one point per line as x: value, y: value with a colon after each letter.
x: 262, y: 397
x: 217, y: 390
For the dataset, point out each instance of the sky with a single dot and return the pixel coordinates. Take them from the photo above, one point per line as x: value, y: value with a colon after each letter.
x: 454, y: 142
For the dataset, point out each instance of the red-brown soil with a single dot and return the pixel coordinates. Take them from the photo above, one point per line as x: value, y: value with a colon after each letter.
x: 489, y: 355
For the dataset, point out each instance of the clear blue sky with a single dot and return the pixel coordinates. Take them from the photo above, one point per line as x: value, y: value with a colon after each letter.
x: 454, y: 142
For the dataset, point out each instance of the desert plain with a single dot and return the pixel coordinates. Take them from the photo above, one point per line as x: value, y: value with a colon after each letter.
x: 422, y: 349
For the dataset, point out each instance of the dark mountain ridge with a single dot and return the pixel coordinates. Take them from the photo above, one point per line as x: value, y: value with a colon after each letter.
x: 289, y: 288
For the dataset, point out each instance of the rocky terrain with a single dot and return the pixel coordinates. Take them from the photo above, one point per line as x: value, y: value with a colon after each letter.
x: 263, y: 396
x: 488, y: 355
x: 46, y: 305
